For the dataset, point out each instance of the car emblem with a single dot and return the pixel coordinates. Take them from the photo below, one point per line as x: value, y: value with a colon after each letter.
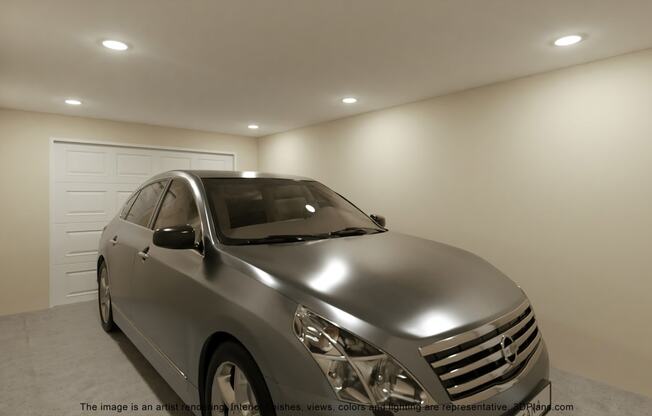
x: 510, y: 351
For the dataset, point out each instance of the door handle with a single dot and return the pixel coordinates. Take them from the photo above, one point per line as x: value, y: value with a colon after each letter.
x: 143, y: 254
x: 114, y: 240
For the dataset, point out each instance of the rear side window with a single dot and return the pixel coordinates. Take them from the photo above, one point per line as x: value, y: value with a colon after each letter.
x: 179, y: 208
x: 125, y: 208
x: 143, y: 207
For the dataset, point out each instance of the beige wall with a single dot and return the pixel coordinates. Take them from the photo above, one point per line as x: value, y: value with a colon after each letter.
x: 24, y: 207
x: 548, y: 177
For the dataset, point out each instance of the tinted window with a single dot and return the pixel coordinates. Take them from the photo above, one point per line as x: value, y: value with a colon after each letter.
x: 179, y: 208
x: 127, y: 205
x: 143, y: 207
x: 248, y: 209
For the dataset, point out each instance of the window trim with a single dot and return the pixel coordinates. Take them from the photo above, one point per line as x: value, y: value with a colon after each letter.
x: 159, y: 203
x: 166, y: 182
x: 202, y: 227
x: 127, y: 206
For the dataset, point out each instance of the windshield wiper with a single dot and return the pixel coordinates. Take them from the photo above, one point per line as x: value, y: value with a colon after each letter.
x: 292, y: 238
x: 344, y: 232
x: 286, y: 238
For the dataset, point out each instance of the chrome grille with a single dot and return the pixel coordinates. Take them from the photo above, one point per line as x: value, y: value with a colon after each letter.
x: 480, y: 363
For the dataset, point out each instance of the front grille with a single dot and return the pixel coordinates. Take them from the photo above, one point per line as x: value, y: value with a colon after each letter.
x: 481, y: 363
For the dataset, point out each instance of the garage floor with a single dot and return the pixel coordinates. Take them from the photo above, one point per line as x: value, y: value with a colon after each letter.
x: 53, y: 360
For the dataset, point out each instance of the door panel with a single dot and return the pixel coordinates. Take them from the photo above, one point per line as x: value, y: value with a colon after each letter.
x: 120, y: 259
x: 131, y: 236
x: 163, y: 281
x: 78, y: 242
x: 77, y: 281
x: 123, y: 259
x: 163, y: 285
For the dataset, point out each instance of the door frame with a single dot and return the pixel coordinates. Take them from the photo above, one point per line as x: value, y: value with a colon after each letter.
x: 54, y: 140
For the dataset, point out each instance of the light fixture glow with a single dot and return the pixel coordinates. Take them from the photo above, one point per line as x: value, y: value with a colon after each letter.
x: 253, y: 126
x: 115, y: 45
x: 568, y: 40
x: 349, y: 100
x: 310, y: 208
x: 72, y: 101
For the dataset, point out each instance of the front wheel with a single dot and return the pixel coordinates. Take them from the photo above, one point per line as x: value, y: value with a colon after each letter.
x: 104, y: 299
x: 234, y: 384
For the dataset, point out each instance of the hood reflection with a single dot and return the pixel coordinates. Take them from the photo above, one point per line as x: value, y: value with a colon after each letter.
x: 331, y: 276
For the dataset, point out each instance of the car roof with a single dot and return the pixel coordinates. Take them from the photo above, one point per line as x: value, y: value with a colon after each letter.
x: 229, y: 174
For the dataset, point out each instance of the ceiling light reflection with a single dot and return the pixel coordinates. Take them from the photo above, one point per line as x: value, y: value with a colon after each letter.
x: 265, y: 277
x: 332, y: 275
x: 430, y: 323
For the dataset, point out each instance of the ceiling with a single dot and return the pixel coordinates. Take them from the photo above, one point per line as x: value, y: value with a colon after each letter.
x: 221, y: 65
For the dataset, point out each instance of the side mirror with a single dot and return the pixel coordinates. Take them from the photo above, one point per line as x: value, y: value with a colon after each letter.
x: 179, y: 237
x: 378, y: 219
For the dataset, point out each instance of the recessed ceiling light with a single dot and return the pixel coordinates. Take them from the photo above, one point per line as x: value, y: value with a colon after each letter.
x: 72, y: 101
x: 568, y: 40
x: 349, y: 100
x: 253, y: 126
x: 116, y: 45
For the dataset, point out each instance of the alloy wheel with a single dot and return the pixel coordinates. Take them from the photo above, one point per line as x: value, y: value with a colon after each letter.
x: 232, y: 393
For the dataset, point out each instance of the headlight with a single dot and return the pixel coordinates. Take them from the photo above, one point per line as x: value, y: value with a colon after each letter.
x: 357, y: 371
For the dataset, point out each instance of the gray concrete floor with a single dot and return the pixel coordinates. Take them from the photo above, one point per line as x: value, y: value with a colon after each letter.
x: 53, y: 360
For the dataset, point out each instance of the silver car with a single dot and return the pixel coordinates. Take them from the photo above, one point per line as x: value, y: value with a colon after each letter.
x: 256, y: 294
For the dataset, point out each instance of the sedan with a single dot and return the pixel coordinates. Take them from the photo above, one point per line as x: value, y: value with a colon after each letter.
x: 258, y: 294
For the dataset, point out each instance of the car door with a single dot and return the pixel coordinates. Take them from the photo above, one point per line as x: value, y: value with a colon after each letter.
x: 163, y: 281
x: 131, y: 236
x: 119, y: 255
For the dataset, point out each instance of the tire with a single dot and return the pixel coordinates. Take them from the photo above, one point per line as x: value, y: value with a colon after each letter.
x: 104, y: 299
x: 229, y: 363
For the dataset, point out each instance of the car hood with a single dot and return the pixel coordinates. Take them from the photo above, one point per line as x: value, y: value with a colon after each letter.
x: 405, y: 285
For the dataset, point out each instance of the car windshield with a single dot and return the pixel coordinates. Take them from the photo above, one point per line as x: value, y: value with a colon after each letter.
x: 262, y: 210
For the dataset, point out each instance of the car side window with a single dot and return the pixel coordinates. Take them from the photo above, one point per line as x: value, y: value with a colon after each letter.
x: 179, y: 208
x: 127, y: 205
x: 143, y: 207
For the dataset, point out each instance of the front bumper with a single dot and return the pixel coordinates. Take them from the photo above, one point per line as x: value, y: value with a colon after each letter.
x: 294, y: 401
